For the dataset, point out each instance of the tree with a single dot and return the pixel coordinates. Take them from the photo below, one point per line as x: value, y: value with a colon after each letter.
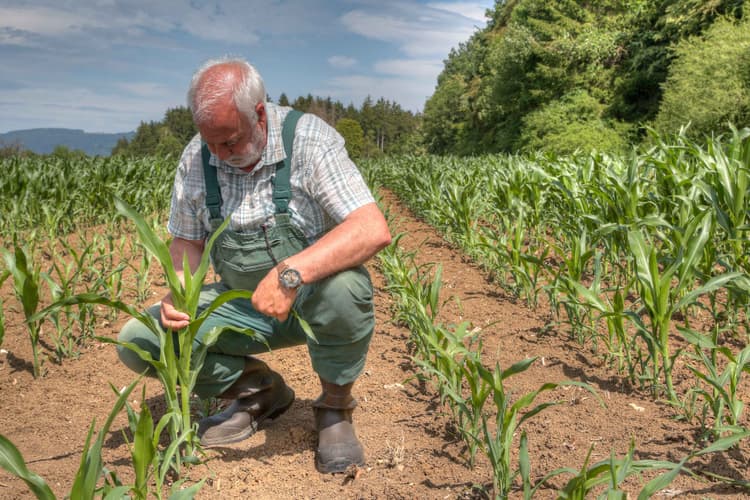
x: 709, y: 81
x: 651, y: 29
x: 179, y: 121
x: 354, y: 136
x: 575, y: 122
x: 65, y: 153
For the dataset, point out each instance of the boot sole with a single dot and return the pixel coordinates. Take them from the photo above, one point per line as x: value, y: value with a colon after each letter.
x: 271, y: 414
x: 336, y: 466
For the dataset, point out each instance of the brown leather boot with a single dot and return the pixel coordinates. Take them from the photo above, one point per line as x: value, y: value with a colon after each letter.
x: 259, y: 394
x: 338, y: 446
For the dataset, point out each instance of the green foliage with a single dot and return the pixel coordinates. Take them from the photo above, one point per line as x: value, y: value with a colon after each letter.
x: 62, y: 194
x: 574, y: 122
x: 651, y: 29
x: 167, y: 137
x: 445, y: 117
x: 89, y: 471
x: 710, y: 74
x: 26, y: 281
x: 537, y: 59
x: 354, y: 136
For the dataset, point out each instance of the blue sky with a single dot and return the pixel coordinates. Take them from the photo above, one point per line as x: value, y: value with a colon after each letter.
x: 107, y: 65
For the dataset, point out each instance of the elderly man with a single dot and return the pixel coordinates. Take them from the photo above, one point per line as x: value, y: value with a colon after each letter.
x: 303, y: 222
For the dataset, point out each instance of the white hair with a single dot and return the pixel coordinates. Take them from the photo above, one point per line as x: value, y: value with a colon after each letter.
x: 207, y: 90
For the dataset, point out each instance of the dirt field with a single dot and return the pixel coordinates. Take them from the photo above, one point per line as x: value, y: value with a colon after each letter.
x: 411, y: 451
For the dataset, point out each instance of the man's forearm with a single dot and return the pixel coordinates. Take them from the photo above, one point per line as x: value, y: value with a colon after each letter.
x: 179, y: 248
x: 360, y: 236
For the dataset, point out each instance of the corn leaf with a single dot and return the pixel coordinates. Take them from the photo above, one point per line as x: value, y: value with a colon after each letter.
x: 12, y: 461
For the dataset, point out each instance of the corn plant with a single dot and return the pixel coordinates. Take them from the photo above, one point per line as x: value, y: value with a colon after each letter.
x: 610, y: 306
x: 452, y: 365
x: 721, y: 396
x: 3, y: 277
x: 150, y: 464
x: 663, y: 293
x: 497, y: 444
x: 142, y: 281
x: 730, y: 191
x: 90, y: 470
x: 606, y: 477
x: 26, y: 283
x: 63, y: 336
x: 575, y: 258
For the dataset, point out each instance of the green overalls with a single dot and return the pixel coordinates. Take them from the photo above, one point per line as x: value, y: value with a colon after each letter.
x: 339, y: 308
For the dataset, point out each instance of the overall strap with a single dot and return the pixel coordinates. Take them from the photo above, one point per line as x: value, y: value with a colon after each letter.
x: 213, y: 194
x: 282, y: 189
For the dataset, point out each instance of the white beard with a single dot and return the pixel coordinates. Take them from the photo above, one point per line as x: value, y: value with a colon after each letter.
x: 252, y: 154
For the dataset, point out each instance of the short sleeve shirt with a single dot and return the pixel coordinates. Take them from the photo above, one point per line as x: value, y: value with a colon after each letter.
x: 326, y: 185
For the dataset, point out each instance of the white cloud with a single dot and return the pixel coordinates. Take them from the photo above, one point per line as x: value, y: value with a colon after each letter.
x: 81, y: 108
x: 41, y: 20
x: 417, y: 32
x: 428, y: 68
x: 106, y: 65
x: 146, y: 89
x: 473, y: 11
x: 342, y: 61
x: 424, y: 34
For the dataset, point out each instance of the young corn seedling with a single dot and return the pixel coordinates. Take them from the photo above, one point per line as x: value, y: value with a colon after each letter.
x: 177, y: 373
x: 26, y: 287
x: 142, y: 281
x: 721, y: 396
x: 451, y: 365
x: 151, y: 464
x: 3, y: 277
x: 497, y: 443
x: 603, y: 480
x: 90, y: 470
x: 662, y: 297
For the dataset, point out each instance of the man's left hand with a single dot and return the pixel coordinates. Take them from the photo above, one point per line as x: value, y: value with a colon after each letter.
x: 272, y: 299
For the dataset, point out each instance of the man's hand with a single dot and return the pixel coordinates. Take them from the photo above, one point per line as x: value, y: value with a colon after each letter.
x: 272, y: 299
x: 171, y: 317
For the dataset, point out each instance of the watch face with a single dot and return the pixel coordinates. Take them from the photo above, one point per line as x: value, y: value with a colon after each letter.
x: 290, y: 278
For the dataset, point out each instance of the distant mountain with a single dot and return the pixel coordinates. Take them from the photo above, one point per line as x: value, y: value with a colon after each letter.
x: 45, y: 140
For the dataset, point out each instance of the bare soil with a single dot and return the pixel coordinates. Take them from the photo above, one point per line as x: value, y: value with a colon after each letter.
x: 412, y: 449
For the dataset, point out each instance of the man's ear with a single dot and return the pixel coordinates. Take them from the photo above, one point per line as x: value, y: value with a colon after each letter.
x: 260, y: 110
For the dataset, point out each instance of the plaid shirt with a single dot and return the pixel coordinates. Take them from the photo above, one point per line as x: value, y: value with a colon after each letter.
x: 326, y: 185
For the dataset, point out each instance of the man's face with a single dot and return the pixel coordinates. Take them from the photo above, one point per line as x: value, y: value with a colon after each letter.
x: 231, y: 137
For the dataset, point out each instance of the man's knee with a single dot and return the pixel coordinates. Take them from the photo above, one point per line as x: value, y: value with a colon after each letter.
x: 137, y: 334
x: 341, y: 305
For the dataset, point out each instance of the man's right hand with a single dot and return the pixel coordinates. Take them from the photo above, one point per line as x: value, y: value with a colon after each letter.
x: 171, y: 317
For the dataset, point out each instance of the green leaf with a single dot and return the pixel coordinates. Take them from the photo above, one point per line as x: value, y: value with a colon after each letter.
x: 12, y: 461
x: 724, y: 443
x: 187, y: 493
x: 305, y: 326
x: 518, y: 367
x: 222, y: 299
x: 90, y: 468
x: 143, y: 449
x: 155, y: 246
x: 711, y: 285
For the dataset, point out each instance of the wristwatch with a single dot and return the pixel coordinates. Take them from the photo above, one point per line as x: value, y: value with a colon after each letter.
x: 289, y: 278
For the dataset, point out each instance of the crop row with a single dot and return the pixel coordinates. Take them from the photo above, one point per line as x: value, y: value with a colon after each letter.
x: 631, y: 253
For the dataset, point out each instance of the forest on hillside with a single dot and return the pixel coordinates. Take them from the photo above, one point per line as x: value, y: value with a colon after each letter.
x: 562, y: 75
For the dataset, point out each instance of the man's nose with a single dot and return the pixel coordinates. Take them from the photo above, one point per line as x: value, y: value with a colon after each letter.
x: 220, y: 150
